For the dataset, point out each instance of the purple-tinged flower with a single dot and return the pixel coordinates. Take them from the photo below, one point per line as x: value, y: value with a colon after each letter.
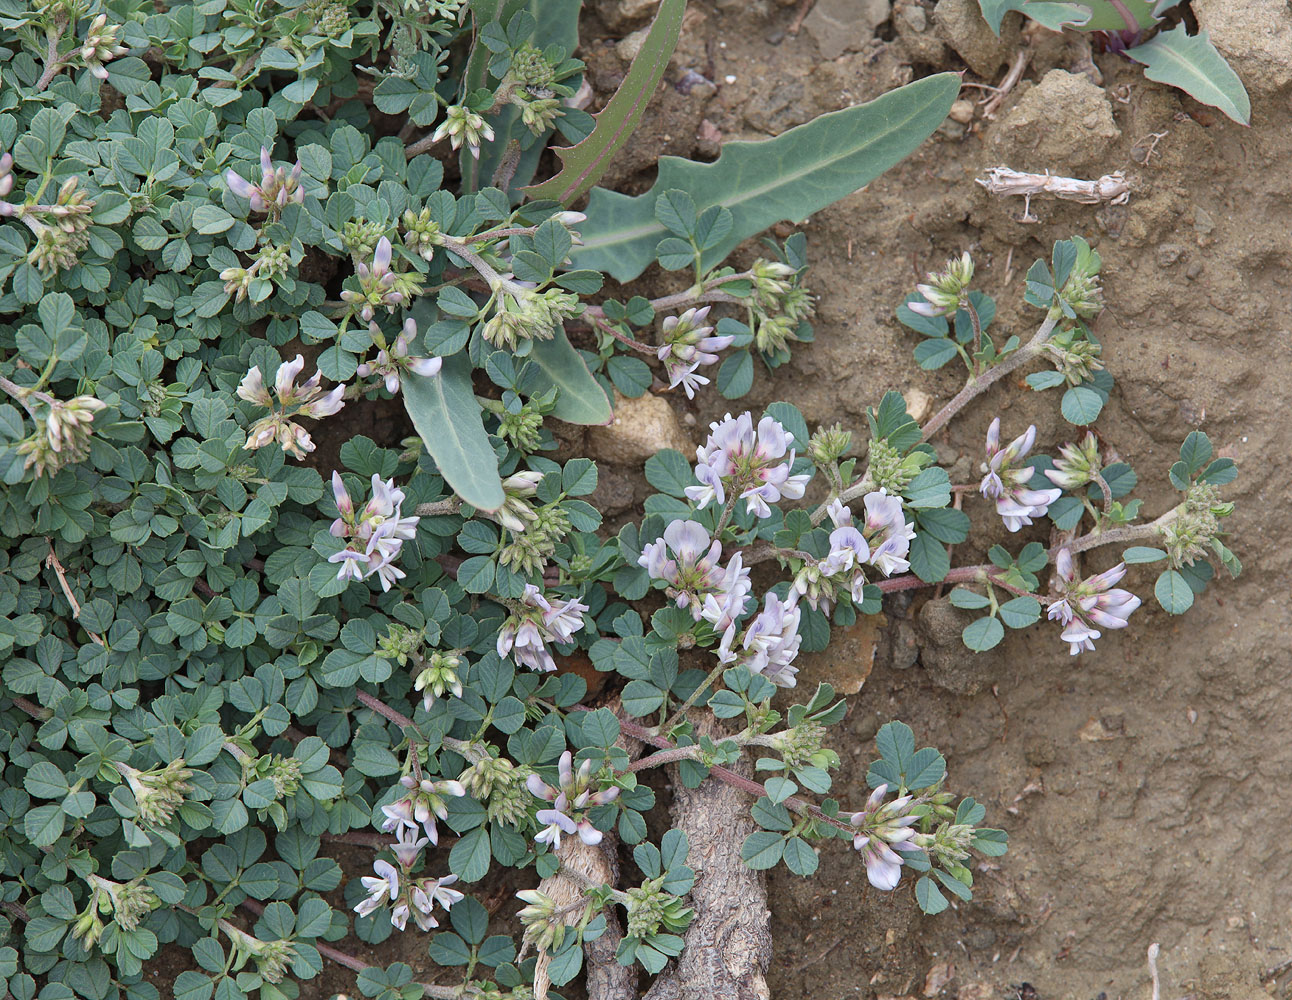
x: 888, y: 532
x: 278, y: 187
x: 288, y: 402
x: 425, y: 893
x: 755, y: 464
x: 1077, y: 464
x: 382, y: 887
x: 419, y: 808
x: 1005, y: 478
x: 687, y: 345
x: 407, y: 847
x: 1095, y: 601
x: 880, y: 827
x: 394, y: 362
x: 380, y: 286
x: 534, y: 622
x: 374, y: 535
x: 571, y: 799
x: 694, y: 572
x: 772, y: 641
x: 942, y: 294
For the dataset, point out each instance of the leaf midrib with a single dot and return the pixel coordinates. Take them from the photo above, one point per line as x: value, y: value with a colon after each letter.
x: 636, y: 232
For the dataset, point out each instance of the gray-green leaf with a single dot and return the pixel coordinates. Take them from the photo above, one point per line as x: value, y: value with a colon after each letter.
x: 445, y: 412
x: 789, y: 177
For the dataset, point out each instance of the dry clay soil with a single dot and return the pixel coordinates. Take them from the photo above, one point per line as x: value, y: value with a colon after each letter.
x: 1140, y: 785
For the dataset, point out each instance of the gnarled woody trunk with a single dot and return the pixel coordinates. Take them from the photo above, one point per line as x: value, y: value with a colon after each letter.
x: 728, y: 945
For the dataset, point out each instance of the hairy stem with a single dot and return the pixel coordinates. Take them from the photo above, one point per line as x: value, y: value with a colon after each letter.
x: 53, y: 63
x: 978, y: 384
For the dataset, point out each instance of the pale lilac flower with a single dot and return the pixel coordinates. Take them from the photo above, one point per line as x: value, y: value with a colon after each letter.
x: 419, y: 808
x: 379, y: 285
x: 515, y: 514
x: 1005, y: 479
x: 882, y: 541
x: 382, y: 887
x: 292, y: 401
x: 755, y: 464
x: 1095, y: 601
x: 438, y: 891
x: 772, y: 641
x: 886, y: 524
x: 556, y: 822
x: 425, y: 893
x: 278, y: 187
x: 880, y: 826
x: 535, y: 622
x: 374, y: 536
x: 393, y: 362
x: 687, y: 346
x: 570, y: 802
x: 694, y: 571
x: 407, y: 849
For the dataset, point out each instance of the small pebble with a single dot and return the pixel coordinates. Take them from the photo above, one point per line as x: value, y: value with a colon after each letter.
x: 962, y: 112
x: 729, y: 78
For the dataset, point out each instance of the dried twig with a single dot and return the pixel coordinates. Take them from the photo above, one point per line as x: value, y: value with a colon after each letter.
x: 1112, y: 188
x: 1015, y: 73
x: 1152, y: 969
x: 51, y: 561
x: 805, y: 8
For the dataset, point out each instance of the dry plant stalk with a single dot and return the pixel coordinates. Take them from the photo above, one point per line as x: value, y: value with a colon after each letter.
x: 1112, y: 188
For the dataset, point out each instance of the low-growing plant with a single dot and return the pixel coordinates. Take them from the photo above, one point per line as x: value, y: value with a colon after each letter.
x: 235, y: 633
x: 1134, y: 28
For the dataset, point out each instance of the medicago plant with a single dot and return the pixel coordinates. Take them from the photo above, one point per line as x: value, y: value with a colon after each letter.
x: 235, y: 633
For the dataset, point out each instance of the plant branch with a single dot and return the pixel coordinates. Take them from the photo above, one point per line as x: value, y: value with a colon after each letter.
x: 53, y: 62
x: 727, y: 775
x: 978, y: 384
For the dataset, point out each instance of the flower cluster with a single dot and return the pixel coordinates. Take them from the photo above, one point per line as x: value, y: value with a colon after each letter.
x: 277, y: 189
x: 60, y: 229
x: 500, y: 784
x: 571, y: 799
x: 394, y: 362
x: 688, y: 344
x: 881, y: 827
x: 1077, y: 465
x: 100, y: 46
x: 374, y: 535
x: 405, y: 894
x: 695, y: 578
x: 1092, y: 602
x: 945, y: 291
x: 461, y: 124
x: 420, y: 806
x: 158, y: 792
x: 64, y: 439
x: 293, y: 401
x: 1006, y: 477
x: 883, y: 541
x: 751, y: 464
x: 524, y: 314
x: 771, y: 641
x: 536, y: 621
x: 778, y: 306
x: 439, y: 673
x: 380, y: 286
